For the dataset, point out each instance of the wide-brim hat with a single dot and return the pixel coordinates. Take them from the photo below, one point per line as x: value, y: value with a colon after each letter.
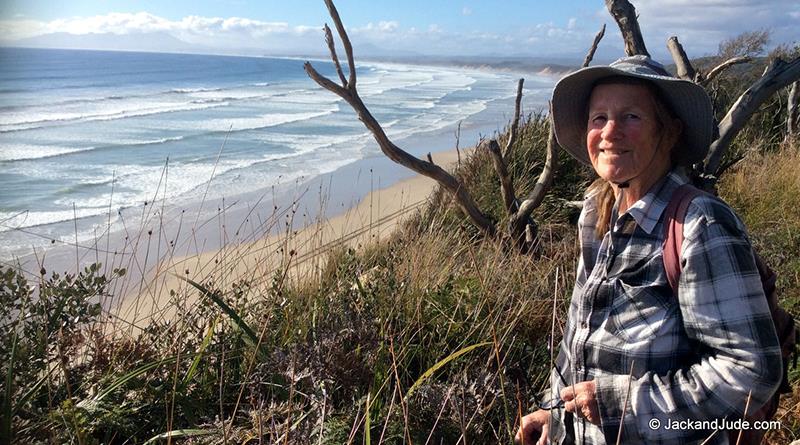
x: 688, y: 100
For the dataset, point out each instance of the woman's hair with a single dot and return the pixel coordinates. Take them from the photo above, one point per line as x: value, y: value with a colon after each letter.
x: 604, y: 194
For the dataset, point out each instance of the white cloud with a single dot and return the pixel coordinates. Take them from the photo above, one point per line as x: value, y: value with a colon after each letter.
x: 141, y: 22
x: 700, y: 25
x: 381, y: 27
x: 572, y: 22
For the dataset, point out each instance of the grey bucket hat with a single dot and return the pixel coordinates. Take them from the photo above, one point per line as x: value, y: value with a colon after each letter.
x: 688, y: 101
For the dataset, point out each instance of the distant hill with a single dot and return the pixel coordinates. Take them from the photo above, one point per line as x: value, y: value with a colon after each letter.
x: 109, y: 41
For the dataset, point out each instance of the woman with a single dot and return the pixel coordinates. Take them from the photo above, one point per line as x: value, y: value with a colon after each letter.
x: 691, y: 356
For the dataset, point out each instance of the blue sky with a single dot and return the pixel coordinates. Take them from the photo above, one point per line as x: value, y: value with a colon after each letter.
x: 437, y: 27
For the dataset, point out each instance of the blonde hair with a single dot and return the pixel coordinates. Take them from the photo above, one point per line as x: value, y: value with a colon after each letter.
x: 604, y: 202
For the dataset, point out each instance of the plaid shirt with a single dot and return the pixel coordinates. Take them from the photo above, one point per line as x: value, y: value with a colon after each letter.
x: 693, y: 357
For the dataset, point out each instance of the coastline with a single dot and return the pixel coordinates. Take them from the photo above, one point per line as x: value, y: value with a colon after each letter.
x: 297, y: 250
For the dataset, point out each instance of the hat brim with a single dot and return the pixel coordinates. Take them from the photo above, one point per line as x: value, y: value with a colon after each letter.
x: 688, y: 100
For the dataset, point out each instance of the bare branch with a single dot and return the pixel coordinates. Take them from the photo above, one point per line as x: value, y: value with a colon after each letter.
x: 326, y: 83
x: 392, y: 151
x: 685, y: 69
x: 716, y: 71
x: 348, y: 48
x: 543, y: 184
x: 779, y: 74
x: 625, y: 15
x: 332, y: 48
x: 793, y: 111
x: 430, y: 158
x: 593, y: 49
x: 512, y: 137
x: 506, y: 185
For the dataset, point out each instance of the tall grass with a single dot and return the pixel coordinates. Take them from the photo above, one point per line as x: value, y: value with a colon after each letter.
x: 432, y: 335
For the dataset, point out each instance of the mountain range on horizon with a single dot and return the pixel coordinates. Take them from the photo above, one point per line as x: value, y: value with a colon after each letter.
x: 166, y: 42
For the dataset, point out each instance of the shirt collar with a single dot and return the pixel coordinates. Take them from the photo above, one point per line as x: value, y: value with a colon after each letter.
x: 648, y: 210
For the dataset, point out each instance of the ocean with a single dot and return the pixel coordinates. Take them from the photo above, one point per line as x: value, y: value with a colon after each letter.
x: 87, y: 138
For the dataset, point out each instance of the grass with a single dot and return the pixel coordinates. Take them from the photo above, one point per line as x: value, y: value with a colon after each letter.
x: 434, y: 335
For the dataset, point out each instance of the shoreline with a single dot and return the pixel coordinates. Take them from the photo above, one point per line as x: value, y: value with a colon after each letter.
x: 299, y: 252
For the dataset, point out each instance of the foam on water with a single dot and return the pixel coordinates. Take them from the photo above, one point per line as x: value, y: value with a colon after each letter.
x: 19, y: 152
x: 104, y: 144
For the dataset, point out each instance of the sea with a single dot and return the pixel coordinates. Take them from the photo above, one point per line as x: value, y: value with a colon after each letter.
x: 89, y: 138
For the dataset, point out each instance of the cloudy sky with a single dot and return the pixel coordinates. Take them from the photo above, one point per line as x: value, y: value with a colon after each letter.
x: 433, y: 27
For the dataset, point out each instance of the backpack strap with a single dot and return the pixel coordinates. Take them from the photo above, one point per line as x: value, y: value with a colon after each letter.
x: 674, y: 215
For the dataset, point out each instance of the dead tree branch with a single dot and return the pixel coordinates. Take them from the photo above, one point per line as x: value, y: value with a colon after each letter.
x: 536, y: 196
x: 717, y: 70
x: 793, y: 111
x: 625, y: 15
x: 512, y: 138
x: 685, y: 69
x: 779, y: 74
x: 506, y: 183
x: 520, y: 221
x: 334, y: 57
x: 348, y: 48
x: 348, y: 92
x: 593, y: 48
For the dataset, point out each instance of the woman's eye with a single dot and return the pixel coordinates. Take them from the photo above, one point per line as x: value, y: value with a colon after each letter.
x: 631, y: 116
x: 599, y: 119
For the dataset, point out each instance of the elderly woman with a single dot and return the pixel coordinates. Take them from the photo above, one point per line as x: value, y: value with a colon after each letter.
x: 637, y: 357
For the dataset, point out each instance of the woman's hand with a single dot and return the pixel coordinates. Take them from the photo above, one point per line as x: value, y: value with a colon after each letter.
x: 581, y: 400
x: 534, y: 428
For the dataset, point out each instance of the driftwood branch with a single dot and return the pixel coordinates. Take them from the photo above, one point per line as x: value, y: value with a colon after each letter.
x: 512, y: 138
x: 625, y: 15
x: 348, y: 92
x: 717, y: 70
x: 793, y: 111
x: 593, y: 48
x: 685, y: 69
x: 334, y: 57
x: 779, y: 74
x: 506, y: 184
x: 348, y: 48
x: 536, y: 196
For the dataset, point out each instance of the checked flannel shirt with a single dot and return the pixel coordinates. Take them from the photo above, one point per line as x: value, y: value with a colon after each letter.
x: 694, y: 356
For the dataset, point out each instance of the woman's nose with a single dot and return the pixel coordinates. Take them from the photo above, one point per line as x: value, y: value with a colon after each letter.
x: 611, y: 130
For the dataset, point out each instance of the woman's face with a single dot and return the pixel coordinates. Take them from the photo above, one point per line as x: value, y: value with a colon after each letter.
x: 625, y: 139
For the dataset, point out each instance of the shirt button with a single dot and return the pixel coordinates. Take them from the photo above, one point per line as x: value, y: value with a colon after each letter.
x: 584, y: 325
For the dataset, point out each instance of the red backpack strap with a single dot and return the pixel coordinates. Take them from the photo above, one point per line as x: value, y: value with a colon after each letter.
x: 674, y: 215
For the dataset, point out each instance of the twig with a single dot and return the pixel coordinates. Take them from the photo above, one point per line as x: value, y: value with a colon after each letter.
x: 552, y: 356
x: 625, y: 405
x: 717, y: 70
x: 512, y: 137
x: 506, y: 184
x: 334, y: 57
x: 746, y: 408
x: 593, y: 48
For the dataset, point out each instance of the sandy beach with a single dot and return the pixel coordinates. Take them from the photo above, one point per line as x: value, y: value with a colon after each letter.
x: 295, y: 254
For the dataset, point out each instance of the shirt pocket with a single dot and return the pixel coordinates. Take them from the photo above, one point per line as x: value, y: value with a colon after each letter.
x: 637, y: 312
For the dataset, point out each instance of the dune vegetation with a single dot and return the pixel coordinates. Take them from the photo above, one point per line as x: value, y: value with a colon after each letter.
x: 436, y: 335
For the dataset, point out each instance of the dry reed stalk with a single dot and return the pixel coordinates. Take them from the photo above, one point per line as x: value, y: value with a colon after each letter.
x: 625, y: 404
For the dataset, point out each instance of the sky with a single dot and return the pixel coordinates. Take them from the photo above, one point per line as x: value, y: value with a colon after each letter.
x: 504, y: 28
